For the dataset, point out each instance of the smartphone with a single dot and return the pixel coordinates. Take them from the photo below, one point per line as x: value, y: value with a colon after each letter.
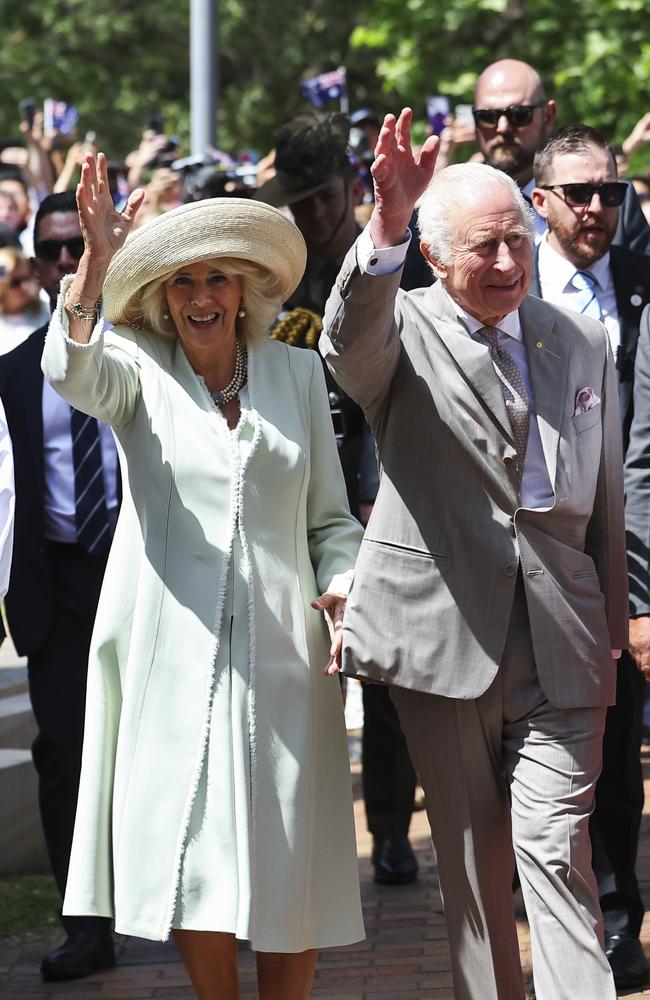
x: 156, y: 123
x: 58, y: 116
x: 437, y: 112
x: 27, y: 108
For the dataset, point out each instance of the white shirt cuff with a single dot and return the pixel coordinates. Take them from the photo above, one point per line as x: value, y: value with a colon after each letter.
x: 382, y: 261
x: 340, y: 584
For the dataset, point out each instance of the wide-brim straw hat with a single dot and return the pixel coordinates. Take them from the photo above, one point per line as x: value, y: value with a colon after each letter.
x: 204, y: 230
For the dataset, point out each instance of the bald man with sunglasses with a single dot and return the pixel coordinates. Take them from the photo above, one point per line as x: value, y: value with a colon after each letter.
x: 514, y: 118
x: 576, y: 266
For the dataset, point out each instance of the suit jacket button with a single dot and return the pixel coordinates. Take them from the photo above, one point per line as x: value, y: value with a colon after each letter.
x: 509, y: 569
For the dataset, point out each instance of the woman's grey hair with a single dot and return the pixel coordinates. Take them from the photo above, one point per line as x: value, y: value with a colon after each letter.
x: 453, y: 189
x: 261, y: 298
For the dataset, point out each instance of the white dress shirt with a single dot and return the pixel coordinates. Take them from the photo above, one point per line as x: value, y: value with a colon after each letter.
x: 555, y: 274
x: 14, y: 330
x: 59, y: 500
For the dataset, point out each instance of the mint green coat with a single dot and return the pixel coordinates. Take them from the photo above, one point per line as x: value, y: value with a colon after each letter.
x: 157, y: 634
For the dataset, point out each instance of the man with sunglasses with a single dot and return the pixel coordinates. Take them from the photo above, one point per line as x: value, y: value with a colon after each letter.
x: 576, y: 266
x: 514, y: 118
x: 59, y: 558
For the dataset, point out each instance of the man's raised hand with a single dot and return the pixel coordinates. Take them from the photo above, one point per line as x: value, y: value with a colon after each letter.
x: 399, y: 178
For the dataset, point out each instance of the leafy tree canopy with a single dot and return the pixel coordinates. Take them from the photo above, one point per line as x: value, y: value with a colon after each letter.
x: 120, y: 62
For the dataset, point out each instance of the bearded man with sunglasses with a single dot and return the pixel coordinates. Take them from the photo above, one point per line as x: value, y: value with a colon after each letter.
x: 66, y: 508
x: 514, y: 118
x: 576, y: 266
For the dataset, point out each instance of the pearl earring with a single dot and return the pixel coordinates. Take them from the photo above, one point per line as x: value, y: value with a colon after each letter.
x: 241, y: 312
x: 165, y: 315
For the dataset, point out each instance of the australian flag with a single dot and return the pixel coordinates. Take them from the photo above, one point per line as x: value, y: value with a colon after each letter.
x: 325, y: 87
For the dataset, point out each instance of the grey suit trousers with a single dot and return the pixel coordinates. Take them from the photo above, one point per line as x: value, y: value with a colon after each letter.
x: 509, y: 771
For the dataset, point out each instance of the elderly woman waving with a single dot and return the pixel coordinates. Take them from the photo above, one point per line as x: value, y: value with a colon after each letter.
x: 215, y: 797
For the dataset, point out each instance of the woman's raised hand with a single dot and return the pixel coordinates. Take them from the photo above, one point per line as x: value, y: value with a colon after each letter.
x: 104, y: 229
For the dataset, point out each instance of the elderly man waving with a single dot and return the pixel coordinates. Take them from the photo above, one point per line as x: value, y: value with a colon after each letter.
x: 491, y: 587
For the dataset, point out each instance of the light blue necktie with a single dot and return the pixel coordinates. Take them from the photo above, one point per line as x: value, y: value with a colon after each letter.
x: 586, y: 300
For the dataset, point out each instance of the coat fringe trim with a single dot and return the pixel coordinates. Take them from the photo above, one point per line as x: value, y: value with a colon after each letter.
x: 252, y: 732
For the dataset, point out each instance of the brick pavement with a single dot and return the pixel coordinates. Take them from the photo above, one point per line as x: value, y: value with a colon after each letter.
x: 404, y: 957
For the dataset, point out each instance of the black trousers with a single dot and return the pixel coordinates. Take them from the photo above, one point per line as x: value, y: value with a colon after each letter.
x: 57, y: 686
x: 388, y: 775
x: 616, y: 818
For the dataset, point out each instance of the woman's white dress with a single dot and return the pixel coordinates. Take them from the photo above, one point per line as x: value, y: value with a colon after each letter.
x: 215, y: 884
x: 215, y: 777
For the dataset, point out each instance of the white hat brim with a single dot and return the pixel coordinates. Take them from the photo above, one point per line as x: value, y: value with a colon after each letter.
x: 205, y: 230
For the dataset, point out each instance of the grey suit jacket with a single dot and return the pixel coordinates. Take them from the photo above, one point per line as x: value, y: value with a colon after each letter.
x: 436, y: 574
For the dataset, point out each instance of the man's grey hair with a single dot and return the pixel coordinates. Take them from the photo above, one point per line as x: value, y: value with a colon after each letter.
x: 450, y: 193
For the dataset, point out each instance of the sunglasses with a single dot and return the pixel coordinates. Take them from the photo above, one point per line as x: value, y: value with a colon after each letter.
x: 518, y: 115
x: 50, y: 250
x: 611, y: 193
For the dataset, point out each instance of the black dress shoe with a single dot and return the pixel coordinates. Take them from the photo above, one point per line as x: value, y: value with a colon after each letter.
x: 394, y: 861
x: 626, y: 959
x: 81, y: 954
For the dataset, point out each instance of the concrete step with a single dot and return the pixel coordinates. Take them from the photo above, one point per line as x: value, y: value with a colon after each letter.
x: 22, y: 847
x: 17, y: 724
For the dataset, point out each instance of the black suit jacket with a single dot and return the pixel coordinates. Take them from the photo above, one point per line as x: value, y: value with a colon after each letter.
x: 637, y: 480
x: 631, y: 277
x: 29, y: 600
x: 632, y: 231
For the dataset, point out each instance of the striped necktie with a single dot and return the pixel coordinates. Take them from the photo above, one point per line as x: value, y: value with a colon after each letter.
x: 91, y: 515
x: 514, y: 392
x: 586, y: 300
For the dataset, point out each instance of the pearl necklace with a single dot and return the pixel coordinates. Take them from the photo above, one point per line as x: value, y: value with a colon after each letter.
x: 237, y: 382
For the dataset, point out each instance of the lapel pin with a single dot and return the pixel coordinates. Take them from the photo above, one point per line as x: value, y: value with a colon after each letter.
x: 538, y: 345
x: 636, y: 300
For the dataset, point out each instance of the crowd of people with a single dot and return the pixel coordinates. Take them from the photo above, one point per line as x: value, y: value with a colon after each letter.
x: 276, y: 422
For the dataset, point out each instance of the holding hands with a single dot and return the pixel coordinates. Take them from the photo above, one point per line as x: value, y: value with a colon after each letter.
x: 332, y: 607
x: 640, y: 644
x: 400, y: 178
x: 104, y: 229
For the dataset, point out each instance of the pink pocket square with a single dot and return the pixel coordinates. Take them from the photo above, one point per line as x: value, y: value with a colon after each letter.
x: 586, y: 399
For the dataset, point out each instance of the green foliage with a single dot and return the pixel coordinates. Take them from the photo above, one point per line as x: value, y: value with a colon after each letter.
x: 117, y: 62
x: 594, y: 55
x: 120, y: 61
